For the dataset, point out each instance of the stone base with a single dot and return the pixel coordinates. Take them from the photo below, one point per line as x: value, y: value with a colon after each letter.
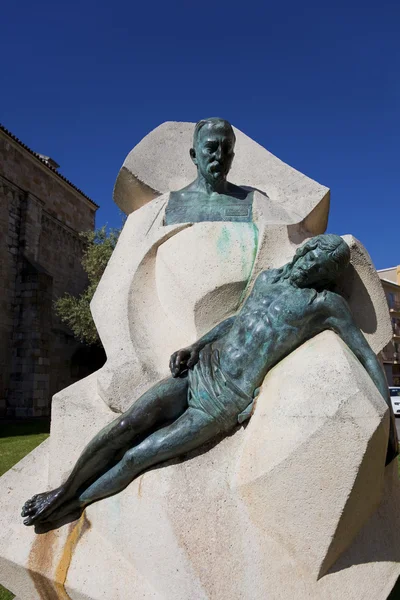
x: 296, y: 505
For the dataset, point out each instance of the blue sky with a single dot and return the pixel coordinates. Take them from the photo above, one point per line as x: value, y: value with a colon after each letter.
x: 316, y: 83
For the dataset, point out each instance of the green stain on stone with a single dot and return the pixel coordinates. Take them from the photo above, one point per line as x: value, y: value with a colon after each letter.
x: 224, y: 241
x: 248, y: 254
x: 247, y: 265
x: 247, y: 238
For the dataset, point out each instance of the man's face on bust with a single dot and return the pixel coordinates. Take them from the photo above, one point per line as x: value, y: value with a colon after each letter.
x: 213, y: 152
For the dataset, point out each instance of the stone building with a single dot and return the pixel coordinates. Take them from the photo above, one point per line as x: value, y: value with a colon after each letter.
x: 41, y: 215
x: 391, y: 354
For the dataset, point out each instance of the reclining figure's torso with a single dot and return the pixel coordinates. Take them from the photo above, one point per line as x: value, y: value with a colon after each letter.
x: 275, y: 319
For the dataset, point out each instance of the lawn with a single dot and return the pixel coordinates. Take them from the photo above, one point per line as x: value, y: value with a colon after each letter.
x: 16, y: 440
x: 19, y: 438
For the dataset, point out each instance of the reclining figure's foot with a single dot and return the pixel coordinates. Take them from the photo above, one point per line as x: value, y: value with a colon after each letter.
x: 70, y: 508
x: 40, y: 506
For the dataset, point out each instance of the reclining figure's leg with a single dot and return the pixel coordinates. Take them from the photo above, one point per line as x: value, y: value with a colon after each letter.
x: 164, y: 402
x: 190, y: 431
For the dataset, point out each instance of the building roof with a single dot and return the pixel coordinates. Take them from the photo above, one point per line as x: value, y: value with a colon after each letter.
x: 392, y: 283
x: 45, y: 162
x: 388, y: 269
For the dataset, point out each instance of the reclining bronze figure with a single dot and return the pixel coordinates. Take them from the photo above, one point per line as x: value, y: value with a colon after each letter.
x: 214, y: 382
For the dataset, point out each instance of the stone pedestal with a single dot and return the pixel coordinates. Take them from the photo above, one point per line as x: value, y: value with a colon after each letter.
x: 296, y: 505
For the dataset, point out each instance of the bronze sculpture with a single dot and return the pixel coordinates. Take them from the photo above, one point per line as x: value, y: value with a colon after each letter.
x: 210, y: 197
x: 215, y: 381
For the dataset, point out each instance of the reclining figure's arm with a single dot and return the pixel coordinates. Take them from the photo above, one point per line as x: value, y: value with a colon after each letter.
x: 184, y: 359
x: 341, y: 321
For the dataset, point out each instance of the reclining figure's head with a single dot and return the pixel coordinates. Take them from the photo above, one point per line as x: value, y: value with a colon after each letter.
x: 320, y: 261
x: 213, y: 149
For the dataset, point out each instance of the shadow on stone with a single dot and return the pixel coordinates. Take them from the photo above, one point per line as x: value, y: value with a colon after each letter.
x: 377, y: 541
x: 41, y: 528
x: 395, y: 593
x: 351, y: 286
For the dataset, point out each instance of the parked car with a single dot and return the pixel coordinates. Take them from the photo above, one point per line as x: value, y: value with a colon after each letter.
x: 395, y: 398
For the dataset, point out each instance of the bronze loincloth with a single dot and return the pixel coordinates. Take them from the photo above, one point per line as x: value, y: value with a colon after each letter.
x: 213, y: 392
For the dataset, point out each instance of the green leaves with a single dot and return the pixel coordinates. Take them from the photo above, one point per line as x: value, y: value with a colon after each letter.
x: 100, y: 247
x: 75, y: 311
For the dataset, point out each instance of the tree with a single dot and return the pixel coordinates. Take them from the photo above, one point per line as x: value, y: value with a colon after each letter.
x: 75, y: 311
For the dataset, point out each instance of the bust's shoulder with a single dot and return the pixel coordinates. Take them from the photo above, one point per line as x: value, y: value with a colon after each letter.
x: 238, y: 192
x: 182, y: 194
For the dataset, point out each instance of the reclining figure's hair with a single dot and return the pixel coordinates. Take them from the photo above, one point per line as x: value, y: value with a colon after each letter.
x: 334, y: 246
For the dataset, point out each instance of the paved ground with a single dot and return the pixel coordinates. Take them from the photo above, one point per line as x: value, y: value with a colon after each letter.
x: 398, y: 426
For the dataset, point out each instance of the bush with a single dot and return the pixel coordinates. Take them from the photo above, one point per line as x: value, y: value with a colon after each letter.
x: 75, y: 311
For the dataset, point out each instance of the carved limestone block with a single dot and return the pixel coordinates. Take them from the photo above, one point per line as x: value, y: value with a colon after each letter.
x: 296, y: 505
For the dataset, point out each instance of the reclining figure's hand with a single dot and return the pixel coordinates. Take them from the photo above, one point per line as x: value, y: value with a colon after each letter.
x: 184, y: 359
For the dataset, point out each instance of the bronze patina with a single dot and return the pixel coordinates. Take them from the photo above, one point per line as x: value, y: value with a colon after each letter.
x: 210, y: 197
x: 214, y: 382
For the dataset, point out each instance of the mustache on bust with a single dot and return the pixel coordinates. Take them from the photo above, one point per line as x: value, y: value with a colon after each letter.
x: 216, y: 166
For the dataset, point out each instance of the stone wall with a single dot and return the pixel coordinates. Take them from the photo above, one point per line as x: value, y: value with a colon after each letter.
x: 33, y: 176
x: 9, y: 234
x: 41, y: 216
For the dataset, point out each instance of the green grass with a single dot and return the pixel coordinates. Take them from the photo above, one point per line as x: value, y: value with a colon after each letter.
x: 20, y: 437
x: 16, y: 440
x: 5, y: 594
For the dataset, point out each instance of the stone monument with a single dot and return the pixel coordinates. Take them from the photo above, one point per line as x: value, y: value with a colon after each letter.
x: 301, y: 502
